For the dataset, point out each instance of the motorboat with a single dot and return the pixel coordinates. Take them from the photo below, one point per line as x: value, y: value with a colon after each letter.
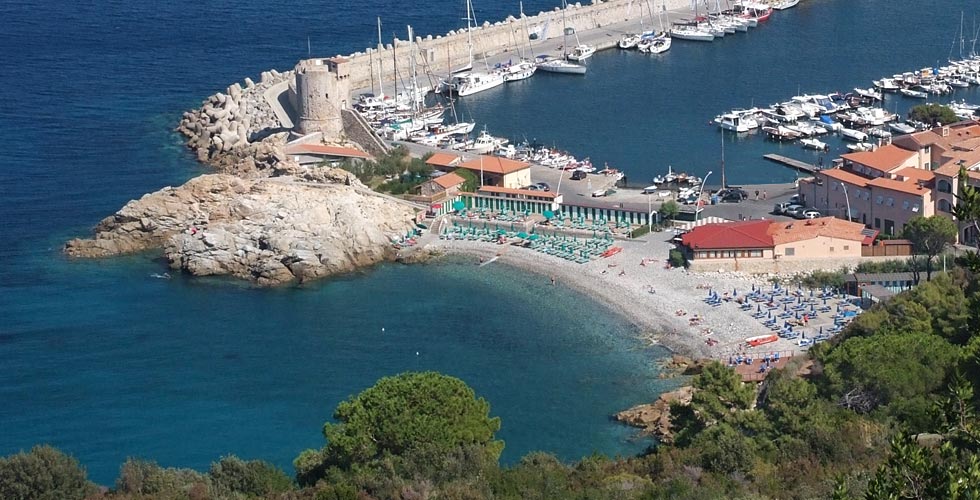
x: 901, y: 128
x: 781, y: 133
x: 879, y: 132
x: 817, y: 144
x: 581, y: 52
x: 785, y: 4
x: 484, y: 144
x: 918, y: 94
x: 860, y: 147
x: 520, y: 71
x: 654, y: 44
x: 629, y: 41
x: 557, y: 65
x: 868, y: 94
x: 736, y: 122
x: 829, y: 124
x: 853, y: 135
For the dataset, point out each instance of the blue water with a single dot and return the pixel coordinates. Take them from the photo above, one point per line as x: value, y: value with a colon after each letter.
x: 105, y: 362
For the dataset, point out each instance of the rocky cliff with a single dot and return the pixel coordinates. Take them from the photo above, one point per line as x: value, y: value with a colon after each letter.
x: 654, y: 418
x: 270, y: 231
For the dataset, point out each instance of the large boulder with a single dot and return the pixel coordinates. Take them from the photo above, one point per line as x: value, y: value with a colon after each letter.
x: 269, y: 231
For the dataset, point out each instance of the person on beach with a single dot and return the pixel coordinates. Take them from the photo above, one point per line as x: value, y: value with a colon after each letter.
x: 622, y: 272
x: 756, y: 195
x: 552, y: 280
x: 764, y: 195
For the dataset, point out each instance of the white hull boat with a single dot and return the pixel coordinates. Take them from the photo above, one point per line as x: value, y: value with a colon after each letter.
x: 785, y: 4
x: 853, y: 135
x: 519, y: 71
x: 562, y: 66
x: 629, y: 41
x: 694, y: 34
x: 901, y: 128
x: 581, y: 53
x: 860, y: 147
x: 918, y: 94
x: 817, y: 144
x: 484, y: 144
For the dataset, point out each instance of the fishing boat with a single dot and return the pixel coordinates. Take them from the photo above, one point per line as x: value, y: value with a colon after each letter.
x: 484, y: 144
x: 581, y: 52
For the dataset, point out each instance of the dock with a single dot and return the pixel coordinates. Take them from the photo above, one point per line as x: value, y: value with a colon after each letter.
x: 802, y: 166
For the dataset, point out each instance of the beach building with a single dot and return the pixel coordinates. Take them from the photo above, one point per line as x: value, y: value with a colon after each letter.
x: 504, y: 199
x: 446, y: 185
x: 877, y: 287
x: 770, y: 246
x: 316, y: 154
x: 489, y: 170
x: 916, y: 175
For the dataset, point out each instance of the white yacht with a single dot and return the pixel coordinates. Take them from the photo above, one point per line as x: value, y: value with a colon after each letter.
x: 629, y: 41
x: 556, y: 65
x: 736, y: 122
x: 901, y: 128
x: 471, y: 82
x: 484, y: 144
x: 817, y: 144
x: 853, y: 135
x: 694, y: 33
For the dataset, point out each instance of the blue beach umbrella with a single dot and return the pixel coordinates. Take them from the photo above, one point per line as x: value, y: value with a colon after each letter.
x: 458, y: 205
x: 548, y: 214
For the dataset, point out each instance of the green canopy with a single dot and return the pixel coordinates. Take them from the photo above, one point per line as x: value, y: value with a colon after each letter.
x: 458, y: 205
x: 548, y: 214
x: 534, y: 237
x: 522, y: 235
x: 501, y: 232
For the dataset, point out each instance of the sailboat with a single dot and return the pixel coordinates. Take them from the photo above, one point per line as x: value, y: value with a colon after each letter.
x: 659, y: 43
x: 630, y: 40
x: 562, y: 65
x: 524, y: 68
x: 470, y: 82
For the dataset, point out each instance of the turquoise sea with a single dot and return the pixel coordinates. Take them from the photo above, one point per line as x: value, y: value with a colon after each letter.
x: 100, y: 359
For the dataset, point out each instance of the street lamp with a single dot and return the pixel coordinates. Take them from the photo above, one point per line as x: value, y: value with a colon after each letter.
x: 847, y: 201
x: 697, y: 203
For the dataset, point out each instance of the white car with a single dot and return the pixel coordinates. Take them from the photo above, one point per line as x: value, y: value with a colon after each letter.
x: 811, y: 214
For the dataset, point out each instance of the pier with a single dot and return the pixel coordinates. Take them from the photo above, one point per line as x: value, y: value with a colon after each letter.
x: 802, y: 166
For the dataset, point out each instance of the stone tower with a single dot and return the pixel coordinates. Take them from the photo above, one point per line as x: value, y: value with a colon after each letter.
x: 322, y: 92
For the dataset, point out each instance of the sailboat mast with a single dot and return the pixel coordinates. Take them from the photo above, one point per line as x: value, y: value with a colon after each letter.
x: 469, y: 29
x: 394, y: 67
x: 723, y: 184
x: 527, y: 33
x: 381, y: 88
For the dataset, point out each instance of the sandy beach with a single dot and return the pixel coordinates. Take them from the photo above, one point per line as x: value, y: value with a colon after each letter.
x: 636, y: 283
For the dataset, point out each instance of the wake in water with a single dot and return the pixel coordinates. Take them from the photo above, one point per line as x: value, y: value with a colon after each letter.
x: 163, y: 276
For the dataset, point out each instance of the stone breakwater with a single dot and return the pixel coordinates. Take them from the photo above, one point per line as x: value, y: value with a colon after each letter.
x: 231, y: 121
x: 269, y: 231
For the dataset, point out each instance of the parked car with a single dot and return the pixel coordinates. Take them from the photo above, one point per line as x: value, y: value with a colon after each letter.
x: 795, y: 200
x: 532, y: 187
x: 578, y: 175
x: 796, y: 212
x: 543, y: 186
x: 733, y: 196
x: 780, y: 208
x: 811, y: 214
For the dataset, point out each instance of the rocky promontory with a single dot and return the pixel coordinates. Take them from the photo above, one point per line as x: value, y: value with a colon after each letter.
x: 654, y: 418
x: 269, y: 230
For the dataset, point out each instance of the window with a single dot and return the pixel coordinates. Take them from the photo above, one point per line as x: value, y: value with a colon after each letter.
x: 890, y: 201
x: 836, y: 186
x: 944, y: 186
x: 915, y: 208
x: 755, y: 253
x: 877, y: 223
x: 790, y: 251
x: 847, y: 247
x: 831, y: 249
x: 905, y: 205
x: 879, y: 199
x: 943, y: 206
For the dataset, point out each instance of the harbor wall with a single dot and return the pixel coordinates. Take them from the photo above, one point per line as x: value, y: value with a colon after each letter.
x: 436, y: 54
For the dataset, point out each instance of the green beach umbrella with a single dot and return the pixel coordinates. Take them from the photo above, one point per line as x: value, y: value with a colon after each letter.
x: 534, y: 237
x: 458, y: 205
x: 548, y: 214
x: 522, y: 235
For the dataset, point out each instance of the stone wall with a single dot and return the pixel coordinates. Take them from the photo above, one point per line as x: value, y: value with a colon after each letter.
x: 437, y: 53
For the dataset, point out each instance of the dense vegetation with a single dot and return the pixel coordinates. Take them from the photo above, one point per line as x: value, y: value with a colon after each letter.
x: 933, y: 114
x: 885, y: 410
x: 396, y: 172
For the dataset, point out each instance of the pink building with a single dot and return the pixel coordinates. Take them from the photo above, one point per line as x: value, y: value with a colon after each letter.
x: 916, y: 175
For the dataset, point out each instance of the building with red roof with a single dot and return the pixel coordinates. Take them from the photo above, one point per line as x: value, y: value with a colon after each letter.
x: 759, y: 244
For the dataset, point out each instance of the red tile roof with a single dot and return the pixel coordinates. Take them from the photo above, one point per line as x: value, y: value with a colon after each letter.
x: 902, y: 187
x: 494, y: 165
x: 729, y: 235
x: 845, y: 176
x: 449, y: 180
x: 443, y: 160
x: 320, y: 149
x: 831, y: 227
x: 526, y: 192
x: 885, y: 158
x: 916, y: 174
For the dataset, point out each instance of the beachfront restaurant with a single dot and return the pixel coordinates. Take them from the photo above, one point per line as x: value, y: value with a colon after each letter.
x: 502, y: 199
x: 488, y: 170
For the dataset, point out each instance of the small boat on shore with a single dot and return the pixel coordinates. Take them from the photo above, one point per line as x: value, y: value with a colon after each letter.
x: 761, y: 340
